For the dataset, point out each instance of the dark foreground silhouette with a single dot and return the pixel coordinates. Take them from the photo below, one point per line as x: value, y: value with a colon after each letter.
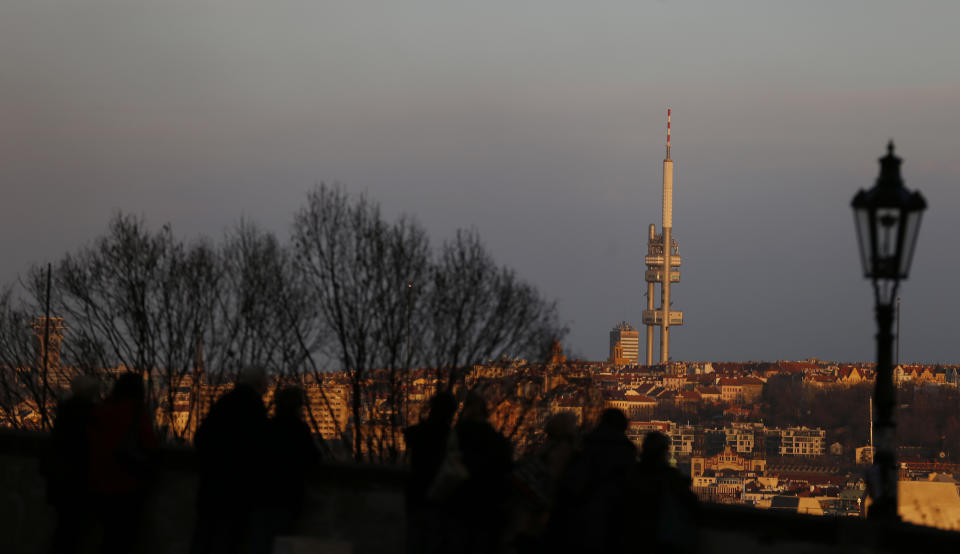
x: 590, y: 513
x: 253, y: 470
x: 99, y: 468
x: 66, y: 466
x: 465, y: 493
x: 121, y: 451
x: 666, y: 510
x: 230, y: 445
x: 291, y: 453
x: 426, y: 448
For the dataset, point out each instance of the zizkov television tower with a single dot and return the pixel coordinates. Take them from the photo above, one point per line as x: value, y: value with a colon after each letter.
x: 662, y: 257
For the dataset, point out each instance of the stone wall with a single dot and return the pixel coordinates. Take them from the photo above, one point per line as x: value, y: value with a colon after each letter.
x: 359, y: 505
x: 362, y: 506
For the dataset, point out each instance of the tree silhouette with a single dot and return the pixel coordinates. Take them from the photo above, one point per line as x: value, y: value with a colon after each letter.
x: 350, y: 291
x: 479, y: 311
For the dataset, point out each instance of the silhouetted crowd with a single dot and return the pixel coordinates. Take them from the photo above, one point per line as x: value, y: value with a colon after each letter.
x: 595, y: 495
x: 465, y: 494
x: 252, y: 469
x: 99, y: 465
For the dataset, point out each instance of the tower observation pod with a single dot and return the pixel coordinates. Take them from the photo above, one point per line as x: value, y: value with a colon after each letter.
x: 662, y: 261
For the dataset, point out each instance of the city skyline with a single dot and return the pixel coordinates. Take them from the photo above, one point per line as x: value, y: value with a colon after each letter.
x: 541, y: 126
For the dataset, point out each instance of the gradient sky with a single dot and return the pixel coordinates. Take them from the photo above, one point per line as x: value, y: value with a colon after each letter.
x: 539, y: 123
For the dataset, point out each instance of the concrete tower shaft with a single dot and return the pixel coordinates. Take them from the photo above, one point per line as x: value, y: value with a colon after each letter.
x: 665, y: 301
x: 662, y: 259
x: 667, y: 242
x: 668, y: 183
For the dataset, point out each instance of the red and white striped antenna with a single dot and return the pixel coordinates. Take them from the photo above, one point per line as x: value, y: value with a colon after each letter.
x: 668, y: 133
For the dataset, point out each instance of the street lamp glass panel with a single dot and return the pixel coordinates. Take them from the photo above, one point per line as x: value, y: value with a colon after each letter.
x: 887, y: 247
x: 911, y: 230
x: 861, y: 220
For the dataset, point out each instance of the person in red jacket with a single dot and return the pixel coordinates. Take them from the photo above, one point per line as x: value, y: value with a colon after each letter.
x: 122, y: 442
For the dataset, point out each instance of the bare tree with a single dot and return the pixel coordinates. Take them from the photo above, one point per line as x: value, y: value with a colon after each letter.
x: 363, y: 273
x: 480, y: 311
x: 262, y: 318
x: 148, y: 302
x: 254, y: 319
x: 352, y: 291
x: 20, y: 382
x: 356, y: 266
x: 404, y: 264
x: 334, y: 257
x: 189, y: 286
x: 138, y: 300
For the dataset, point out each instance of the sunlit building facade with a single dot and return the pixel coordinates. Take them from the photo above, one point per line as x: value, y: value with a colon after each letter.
x: 624, y: 344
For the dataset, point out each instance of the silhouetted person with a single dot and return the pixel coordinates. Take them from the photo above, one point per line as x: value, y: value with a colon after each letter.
x: 535, y: 478
x: 67, y: 465
x: 231, y: 444
x: 122, y: 443
x: 591, y: 499
x: 426, y: 447
x: 291, y: 453
x: 664, y: 508
x: 478, y: 506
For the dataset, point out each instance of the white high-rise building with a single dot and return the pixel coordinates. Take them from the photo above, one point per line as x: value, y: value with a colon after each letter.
x: 625, y: 343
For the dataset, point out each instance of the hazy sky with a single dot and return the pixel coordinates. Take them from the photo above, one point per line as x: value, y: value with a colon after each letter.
x: 539, y: 123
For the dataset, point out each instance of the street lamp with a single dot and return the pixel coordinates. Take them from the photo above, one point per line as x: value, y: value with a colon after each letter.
x: 887, y: 219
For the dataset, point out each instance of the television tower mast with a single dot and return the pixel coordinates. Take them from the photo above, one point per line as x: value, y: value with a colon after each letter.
x: 662, y: 257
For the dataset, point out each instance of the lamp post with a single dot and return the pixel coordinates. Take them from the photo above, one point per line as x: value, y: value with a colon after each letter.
x: 887, y: 218
x: 896, y: 359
